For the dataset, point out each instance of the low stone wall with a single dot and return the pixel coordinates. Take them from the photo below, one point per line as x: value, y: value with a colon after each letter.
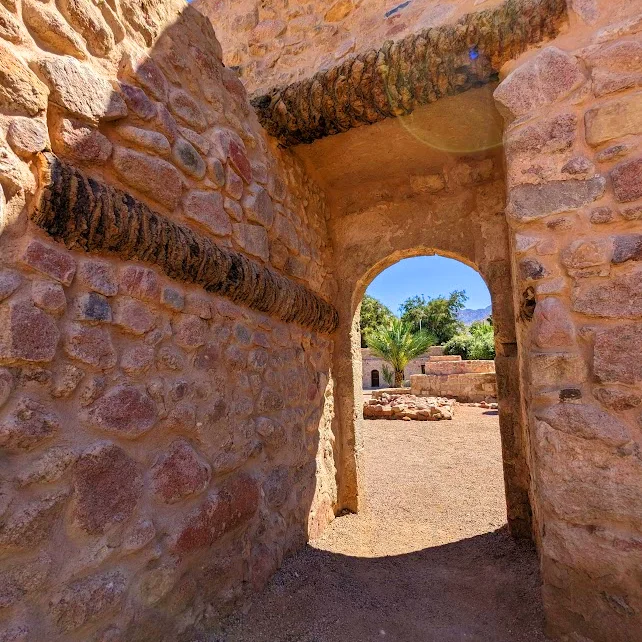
x: 459, y: 367
x: 470, y: 387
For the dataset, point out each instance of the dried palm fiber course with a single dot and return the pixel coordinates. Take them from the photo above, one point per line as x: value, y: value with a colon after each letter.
x: 401, y: 76
x: 88, y: 215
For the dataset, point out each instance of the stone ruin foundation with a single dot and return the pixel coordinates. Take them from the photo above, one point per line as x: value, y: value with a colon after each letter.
x: 402, y: 406
x: 186, y: 232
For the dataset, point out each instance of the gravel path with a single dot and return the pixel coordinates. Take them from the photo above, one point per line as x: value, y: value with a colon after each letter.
x: 427, y: 560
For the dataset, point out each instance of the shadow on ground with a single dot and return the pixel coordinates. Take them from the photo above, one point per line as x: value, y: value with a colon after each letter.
x: 481, y: 589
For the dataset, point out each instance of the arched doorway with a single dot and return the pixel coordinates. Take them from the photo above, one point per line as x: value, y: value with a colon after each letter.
x: 467, y: 224
x: 374, y: 378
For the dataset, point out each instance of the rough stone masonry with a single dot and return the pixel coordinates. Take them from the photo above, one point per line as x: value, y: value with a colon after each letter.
x: 162, y: 446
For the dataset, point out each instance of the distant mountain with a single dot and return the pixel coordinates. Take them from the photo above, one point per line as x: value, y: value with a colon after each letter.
x: 467, y: 316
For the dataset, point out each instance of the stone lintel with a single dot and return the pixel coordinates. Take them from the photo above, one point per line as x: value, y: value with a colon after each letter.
x: 88, y: 215
x: 401, y: 76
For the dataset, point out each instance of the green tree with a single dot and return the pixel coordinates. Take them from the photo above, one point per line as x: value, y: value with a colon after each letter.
x: 397, y: 344
x: 438, y: 316
x: 374, y: 314
x: 478, y: 342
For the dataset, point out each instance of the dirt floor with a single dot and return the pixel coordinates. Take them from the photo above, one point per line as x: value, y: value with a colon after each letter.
x: 428, y: 559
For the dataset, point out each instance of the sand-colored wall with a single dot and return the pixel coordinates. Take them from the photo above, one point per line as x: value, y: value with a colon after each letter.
x: 161, y: 448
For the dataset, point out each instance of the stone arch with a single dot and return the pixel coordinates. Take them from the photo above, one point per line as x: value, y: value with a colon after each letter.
x: 474, y: 232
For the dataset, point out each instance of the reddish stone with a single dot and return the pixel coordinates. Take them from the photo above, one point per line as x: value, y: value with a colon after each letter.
x: 186, y: 157
x: 87, y: 600
x: 186, y: 109
x: 612, y: 358
x: 138, y: 101
x: 81, y: 143
x: 239, y: 161
x: 544, y: 79
x: 133, y: 317
x: 225, y: 510
x: 552, y: 326
x: 199, y: 306
x: 207, y: 357
x: 233, y: 184
x: 91, y: 345
x: 190, y: 331
x: 22, y: 579
x: 258, y: 207
x: 182, y: 417
x: 587, y: 422
x: 49, y: 296
x: 50, y: 261
x: 149, y: 75
x: 6, y: 385
x: 627, y: 180
x: 618, y: 400
x: 98, y: 276
x: 627, y: 247
x: 32, y: 524
x: 171, y: 358
x: 125, y: 411
x: 27, y: 426
x: 137, y: 360
x: 9, y: 282
x: 107, y: 486
x: 616, y: 297
x: 180, y: 473
x: 207, y: 209
x: 140, y: 283
x: 26, y: 334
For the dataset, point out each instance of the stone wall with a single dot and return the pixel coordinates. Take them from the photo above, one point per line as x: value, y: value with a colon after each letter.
x: 471, y: 387
x: 573, y: 144
x: 161, y: 447
x: 370, y: 362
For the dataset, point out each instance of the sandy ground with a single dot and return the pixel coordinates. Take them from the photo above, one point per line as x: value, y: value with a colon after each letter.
x: 428, y: 559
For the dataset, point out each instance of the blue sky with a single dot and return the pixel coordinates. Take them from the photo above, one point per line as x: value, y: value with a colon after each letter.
x: 431, y: 276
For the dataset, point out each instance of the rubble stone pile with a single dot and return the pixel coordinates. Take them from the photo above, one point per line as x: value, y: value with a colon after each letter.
x: 407, y: 407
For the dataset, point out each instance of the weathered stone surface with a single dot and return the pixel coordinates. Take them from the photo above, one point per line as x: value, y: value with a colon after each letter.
x: 233, y: 183
x: 627, y: 247
x: 582, y: 254
x: 617, y: 66
x: 9, y: 283
x: 48, y: 25
x: 133, y: 317
x: 253, y: 239
x: 617, y: 297
x: 557, y: 370
x: 18, y: 581
x: 552, y: 327
x: 531, y: 269
x: 6, y: 385
x: 152, y: 141
x: 49, y: 468
x: 614, y: 119
x: 78, y: 89
x: 150, y: 77
x: 137, y: 101
x: 207, y: 209
x: 310, y: 109
x: 188, y: 159
x: 107, y: 486
x: 92, y: 307
x: 173, y: 299
x: 190, y: 331
x: 186, y: 109
x: 216, y: 172
x: 125, y: 411
x: 258, y: 207
x: 49, y: 296
x: 542, y: 80
x: 88, y: 21
x: 99, y: 276
x: 27, y: 136
x: 529, y: 202
x: 27, y: 426
x: 601, y: 215
x: 91, y: 345
x: 587, y: 422
x: 10, y: 28
x: 137, y: 360
x: 81, y: 143
x: 195, y: 259
x: 50, y: 261
x: 230, y: 507
x: 154, y: 177
x: 31, y: 524
x: 27, y: 334
x: 21, y: 91
x: 238, y: 158
x: 614, y: 347
x: 140, y: 283
x: 627, y: 180
x: 180, y: 473
x: 618, y: 400
x: 87, y: 600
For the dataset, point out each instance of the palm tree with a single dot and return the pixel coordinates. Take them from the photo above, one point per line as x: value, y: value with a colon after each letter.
x: 397, y: 344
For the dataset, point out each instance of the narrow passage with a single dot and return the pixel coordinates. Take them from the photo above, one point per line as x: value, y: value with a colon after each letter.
x: 428, y: 560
